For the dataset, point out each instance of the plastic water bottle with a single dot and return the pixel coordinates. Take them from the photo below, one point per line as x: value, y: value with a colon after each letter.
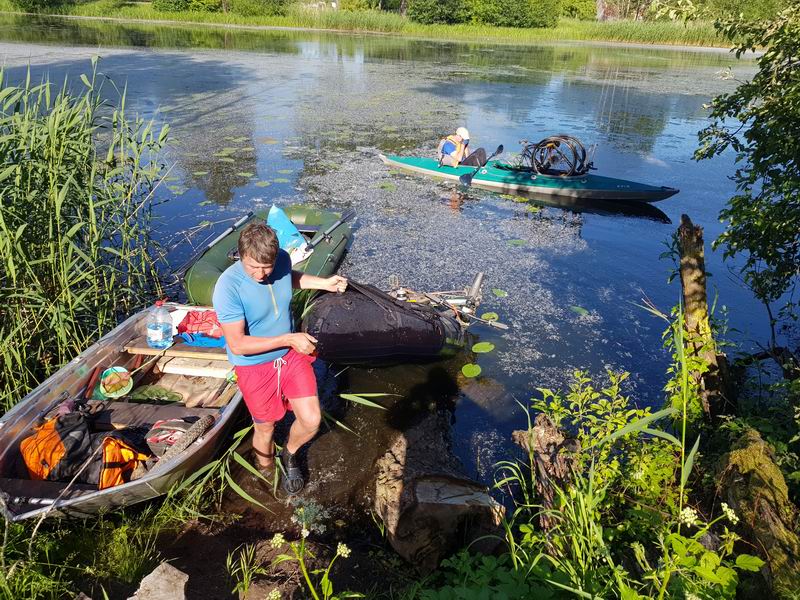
x: 159, y: 327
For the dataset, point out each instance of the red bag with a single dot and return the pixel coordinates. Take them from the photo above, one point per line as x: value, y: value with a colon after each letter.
x: 201, y: 321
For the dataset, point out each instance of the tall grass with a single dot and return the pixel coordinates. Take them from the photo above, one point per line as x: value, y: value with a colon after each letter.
x: 696, y: 33
x: 75, y: 251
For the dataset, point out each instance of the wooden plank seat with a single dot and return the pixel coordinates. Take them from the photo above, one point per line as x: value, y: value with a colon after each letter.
x: 198, y: 367
x: 117, y: 415
x: 139, y: 345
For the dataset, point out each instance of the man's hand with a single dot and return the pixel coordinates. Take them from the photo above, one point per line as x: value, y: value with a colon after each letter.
x: 301, y: 342
x: 337, y: 283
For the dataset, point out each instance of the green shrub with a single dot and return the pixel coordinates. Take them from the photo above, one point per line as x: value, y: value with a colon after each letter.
x: 257, y: 8
x: 359, y: 4
x: 579, y: 9
x: 171, y: 5
x: 205, y: 5
x: 37, y: 5
x: 438, y: 11
x: 516, y: 13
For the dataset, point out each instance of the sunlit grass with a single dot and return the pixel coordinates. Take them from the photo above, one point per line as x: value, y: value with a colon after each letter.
x: 693, y: 34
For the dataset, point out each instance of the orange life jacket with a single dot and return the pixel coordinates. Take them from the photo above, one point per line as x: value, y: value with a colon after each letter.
x: 60, y: 447
x: 459, y: 151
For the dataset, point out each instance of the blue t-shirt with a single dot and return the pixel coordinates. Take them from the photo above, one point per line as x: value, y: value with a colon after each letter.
x: 448, y: 148
x: 264, y: 307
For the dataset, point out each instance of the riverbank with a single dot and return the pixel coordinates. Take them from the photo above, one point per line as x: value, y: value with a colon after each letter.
x: 377, y: 22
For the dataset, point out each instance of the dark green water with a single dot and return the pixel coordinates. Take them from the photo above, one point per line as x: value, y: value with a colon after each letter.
x: 261, y: 117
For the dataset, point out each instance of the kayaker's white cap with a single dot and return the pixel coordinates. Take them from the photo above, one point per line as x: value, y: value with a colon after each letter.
x: 462, y: 133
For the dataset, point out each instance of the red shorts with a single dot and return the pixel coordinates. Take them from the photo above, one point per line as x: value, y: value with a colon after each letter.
x: 259, y: 385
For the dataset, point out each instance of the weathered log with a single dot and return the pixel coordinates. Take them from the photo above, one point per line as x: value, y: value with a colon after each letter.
x: 553, y: 456
x: 429, y: 508
x: 752, y: 485
x: 714, y: 391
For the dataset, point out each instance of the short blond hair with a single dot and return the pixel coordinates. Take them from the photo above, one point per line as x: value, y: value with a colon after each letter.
x: 259, y: 242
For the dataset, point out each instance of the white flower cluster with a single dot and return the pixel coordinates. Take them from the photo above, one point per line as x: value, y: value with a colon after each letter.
x: 342, y: 550
x: 277, y: 541
x: 274, y: 594
x: 730, y: 514
x: 689, y: 516
x: 305, y: 533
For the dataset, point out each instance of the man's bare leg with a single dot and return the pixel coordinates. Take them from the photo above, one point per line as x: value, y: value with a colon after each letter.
x: 308, y: 415
x: 262, y: 444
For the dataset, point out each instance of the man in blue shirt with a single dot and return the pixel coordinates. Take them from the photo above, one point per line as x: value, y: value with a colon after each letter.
x: 272, y: 364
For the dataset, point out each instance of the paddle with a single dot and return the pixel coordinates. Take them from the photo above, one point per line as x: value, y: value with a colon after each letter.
x: 466, y: 178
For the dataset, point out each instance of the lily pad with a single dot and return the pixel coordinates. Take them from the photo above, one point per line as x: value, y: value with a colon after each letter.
x: 517, y: 242
x: 248, y: 149
x: 268, y: 140
x: 245, y: 174
x: 281, y: 180
x: 200, y: 173
x: 490, y: 316
x: 263, y: 183
x: 534, y: 209
x: 579, y: 310
x: 229, y: 150
x: 388, y: 186
x: 471, y: 370
x: 204, y: 224
x: 284, y: 171
x: 226, y: 159
x: 483, y: 347
x: 499, y: 293
x: 205, y: 203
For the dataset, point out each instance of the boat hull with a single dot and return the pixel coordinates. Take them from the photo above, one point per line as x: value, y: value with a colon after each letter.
x: 201, y: 277
x: 518, y: 181
x: 17, y: 424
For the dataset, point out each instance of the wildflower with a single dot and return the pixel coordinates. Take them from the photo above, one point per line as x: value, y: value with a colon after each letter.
x: 730, y: 514
x: 305, y: 532
x: 342, y: 550
x: 274, y: 594
x: 688, y: 516
x: 277, y: 541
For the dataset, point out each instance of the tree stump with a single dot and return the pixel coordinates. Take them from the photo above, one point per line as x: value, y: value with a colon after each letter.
x: 553, y: 456
x: 430, y: 509
x: 700, y: 340
x: 753, y: 486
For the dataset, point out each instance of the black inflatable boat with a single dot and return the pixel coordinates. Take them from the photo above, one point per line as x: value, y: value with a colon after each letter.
x: 367, y: 326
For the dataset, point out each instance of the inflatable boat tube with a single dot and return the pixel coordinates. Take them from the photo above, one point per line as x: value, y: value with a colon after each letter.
x: 367, y: 326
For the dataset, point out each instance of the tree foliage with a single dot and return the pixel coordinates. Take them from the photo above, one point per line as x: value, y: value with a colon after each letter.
x: 760, y: 122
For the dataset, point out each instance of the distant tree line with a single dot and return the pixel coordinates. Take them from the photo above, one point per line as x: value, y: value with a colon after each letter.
x: 501, y: 13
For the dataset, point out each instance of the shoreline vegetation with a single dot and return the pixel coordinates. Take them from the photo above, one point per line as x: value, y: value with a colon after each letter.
x: 668, y: 33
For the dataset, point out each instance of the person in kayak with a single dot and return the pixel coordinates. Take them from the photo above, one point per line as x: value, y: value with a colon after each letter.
x: 272, y: 364
x: 454, y: 151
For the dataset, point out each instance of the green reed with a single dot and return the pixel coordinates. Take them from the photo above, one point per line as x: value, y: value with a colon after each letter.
x: 75, y: 250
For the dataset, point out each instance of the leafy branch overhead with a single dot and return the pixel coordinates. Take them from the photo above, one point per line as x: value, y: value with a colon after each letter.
x: 760, y: 122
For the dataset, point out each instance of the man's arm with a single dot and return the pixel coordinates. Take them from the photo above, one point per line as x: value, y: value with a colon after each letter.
x: 242, y: 344
x: 305, y: 281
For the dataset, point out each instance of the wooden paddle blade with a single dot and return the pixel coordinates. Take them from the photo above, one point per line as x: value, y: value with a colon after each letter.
x: 499, y: 150
x: 466, y: 179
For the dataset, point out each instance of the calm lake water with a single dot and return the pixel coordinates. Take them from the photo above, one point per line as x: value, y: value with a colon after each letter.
x: 285, y: 117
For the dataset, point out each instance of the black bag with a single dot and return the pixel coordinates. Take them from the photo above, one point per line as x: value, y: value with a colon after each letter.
x: 365, y: 325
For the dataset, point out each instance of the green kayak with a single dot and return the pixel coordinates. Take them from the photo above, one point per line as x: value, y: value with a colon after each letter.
x: 501, y: 177
x: 201, y: 273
